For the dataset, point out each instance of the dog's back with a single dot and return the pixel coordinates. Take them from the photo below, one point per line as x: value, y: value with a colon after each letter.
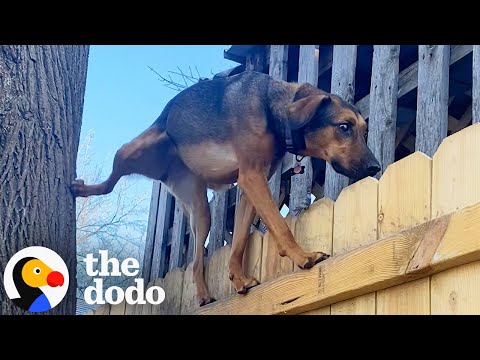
x: 213, y: 109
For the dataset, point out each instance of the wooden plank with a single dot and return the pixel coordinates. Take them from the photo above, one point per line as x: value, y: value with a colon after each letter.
x: 152, y: 223
x: 252, y: 257
x: 457, y: 291
x: 405, y: 299
x: 301, y: 184
x: 172, y: 284
x: 314, y: 232
x: 405, y: 201
x: 189, y: 299
x: 273, y: 265
x: 216, y: 274
x: 383, y: 104
x: 178, y: 238
x: 218, y: 210
x: 476, y: 84
x: 408, y: 77
x: 322, y: 311
x: 426, y: 249
x: 354, y: 225
x: 432, y: 99
x: 355, y: 216
x: 118, y: 309
x: 456, y: 171
x: 314, y: 228
x: 360, y: 305
x: 255, y: 60
x: 343, y: 84
x: 159, y: 266
x: 455, y: 185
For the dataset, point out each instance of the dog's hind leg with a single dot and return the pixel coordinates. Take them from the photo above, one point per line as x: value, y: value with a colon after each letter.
x: 244, y: 214
x: 146, y: 155
x: 191, y: 192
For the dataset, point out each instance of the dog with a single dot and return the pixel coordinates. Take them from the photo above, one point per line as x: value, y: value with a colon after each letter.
x: 237, y: 129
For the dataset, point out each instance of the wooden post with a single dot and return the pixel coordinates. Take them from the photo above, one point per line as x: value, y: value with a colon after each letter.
x: 152, y: 223
x: 476, y: 85
x: 218, y: 210
x: 343, y: 85
x: 432, y: 100
x: 301, y: 184
x: 159, y: 266
x: 178, y: 238
x: 383, y: 104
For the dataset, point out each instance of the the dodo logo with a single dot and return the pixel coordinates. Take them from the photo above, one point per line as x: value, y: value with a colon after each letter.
x: 36, y: 279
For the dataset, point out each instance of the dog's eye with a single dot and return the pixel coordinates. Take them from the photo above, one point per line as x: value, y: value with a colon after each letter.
x: 344, y: 128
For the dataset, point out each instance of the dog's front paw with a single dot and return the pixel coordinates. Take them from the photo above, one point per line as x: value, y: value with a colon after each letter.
x: 241, y: 284
x: 205, y: 300
x: 78, y: 187
x: 313, y: 258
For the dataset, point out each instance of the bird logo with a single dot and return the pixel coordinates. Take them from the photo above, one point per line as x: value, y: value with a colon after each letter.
x: 36, y: 279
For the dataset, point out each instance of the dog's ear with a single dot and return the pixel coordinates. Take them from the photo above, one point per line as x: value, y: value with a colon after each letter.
x: 300, y: 112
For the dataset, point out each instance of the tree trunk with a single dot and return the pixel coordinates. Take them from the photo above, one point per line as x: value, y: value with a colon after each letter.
x: 41, y: 103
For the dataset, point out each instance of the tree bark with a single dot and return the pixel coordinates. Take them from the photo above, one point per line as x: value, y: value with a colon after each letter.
x: 41, y: 103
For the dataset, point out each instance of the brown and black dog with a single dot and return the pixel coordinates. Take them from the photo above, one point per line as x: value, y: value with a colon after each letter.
x: 220, y: 131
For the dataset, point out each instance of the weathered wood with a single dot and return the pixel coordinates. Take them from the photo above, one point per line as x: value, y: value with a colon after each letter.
x: 159, y: 266
x: 354, y: 225
x: 383, y: 104
x: 412, y: 298
x: 405, y: 201
x: 457, y: 291
x: 177, y: 256
x: 408, y: 77
x: 426, y: 249
x: 476, y: 84
x: 256, y: 60
x: 152, y: 223
x: 432, y: 100
x: 343, y: 84
x: 301, y: 184
x: 218, y: 210
x: 278, y: 70
x: 321, y: 311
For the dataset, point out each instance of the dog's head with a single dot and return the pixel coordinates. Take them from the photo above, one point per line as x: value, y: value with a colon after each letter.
x: 334, y: 131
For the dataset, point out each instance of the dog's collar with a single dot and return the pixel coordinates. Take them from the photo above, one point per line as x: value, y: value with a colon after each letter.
x: 294, y: 140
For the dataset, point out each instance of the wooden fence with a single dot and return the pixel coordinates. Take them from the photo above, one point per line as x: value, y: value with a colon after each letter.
x: 413, y: 97
x: 402, y: 244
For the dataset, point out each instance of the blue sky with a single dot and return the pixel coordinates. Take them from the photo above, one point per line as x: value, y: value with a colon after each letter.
x: 123, y: 96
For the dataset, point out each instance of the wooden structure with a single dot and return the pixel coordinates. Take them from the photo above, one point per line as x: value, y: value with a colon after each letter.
x: 406, y: 242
